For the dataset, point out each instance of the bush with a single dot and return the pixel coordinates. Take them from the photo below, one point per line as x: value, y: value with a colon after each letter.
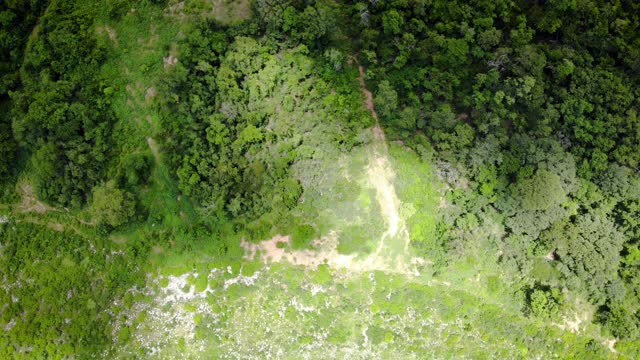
x: 302, y: 236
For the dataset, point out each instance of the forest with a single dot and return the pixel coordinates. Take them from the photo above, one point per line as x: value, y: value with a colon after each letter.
x: 313, y: 178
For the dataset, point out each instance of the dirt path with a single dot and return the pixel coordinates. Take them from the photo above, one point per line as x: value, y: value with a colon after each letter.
x: 154, y: 149
x: 394, y: 244
x: 395, y: 240
x: 368, y: 97
x: 378, y: 134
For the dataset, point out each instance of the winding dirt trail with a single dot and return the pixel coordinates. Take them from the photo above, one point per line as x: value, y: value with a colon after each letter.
x: 368, y: 96
x: 368, y: 103
x: 393, y: 248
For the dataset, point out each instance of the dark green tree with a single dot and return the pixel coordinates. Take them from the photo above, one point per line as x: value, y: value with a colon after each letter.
x: 589, y: 251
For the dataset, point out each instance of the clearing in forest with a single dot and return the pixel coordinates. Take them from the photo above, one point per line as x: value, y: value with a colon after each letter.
x: 30, y: 202
x: 392, y: 251
x: 223, y: 11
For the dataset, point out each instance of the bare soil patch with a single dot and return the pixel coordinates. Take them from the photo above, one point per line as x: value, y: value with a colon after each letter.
x: 610, y: 344
x: 574, y: 325
x: 443, y: 203
x: 551, y: 256
x: 30, y: 202
x: 378, y: 134
x: 111, y: 33
x: 151, y: 93
x: 325, y: 251
x: 169, y: 61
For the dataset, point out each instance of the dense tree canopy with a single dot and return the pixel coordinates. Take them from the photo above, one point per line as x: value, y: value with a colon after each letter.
x: 60, y: 114
x: 535, y: 106
x: 246, y: 123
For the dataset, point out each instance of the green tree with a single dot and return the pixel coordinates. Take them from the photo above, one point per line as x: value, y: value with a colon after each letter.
x: 386, y: 99
x: 392, y: 22
x: 620, y: 182
x: 112, y: 206
x: 8, y: 148
x: 544, y: 303
x: 44, y: 163
x: 589, y: 251
x: 621, y: 321
x: 134, y: 170
x: 542, y: 191
x: 61, y: 105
